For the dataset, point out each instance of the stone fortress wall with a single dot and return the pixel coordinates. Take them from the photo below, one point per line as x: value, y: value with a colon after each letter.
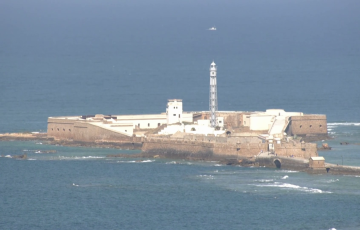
x: 239, y: 147
x: 239, y: 142
x: 307, y: 125
x: 81, y: 131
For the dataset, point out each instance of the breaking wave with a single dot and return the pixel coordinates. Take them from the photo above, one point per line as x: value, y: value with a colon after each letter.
x: 264, y: 180
x: 343, y: 124
x: 293, y: 187
x: 80, y: 157
x: 332, y: 181
x: 147, y: 161
x: 285, y: 177
x: 139, y: 161
x: 286, y: 171
x: 208, y: 177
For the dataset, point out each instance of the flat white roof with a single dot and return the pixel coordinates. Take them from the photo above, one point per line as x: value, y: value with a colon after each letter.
x: 317, y: 158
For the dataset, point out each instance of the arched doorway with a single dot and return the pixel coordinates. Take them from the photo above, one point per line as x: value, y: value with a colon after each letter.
x: 277, y: 163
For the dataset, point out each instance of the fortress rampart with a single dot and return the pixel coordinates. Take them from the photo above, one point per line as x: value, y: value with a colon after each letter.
x: 235, y: 140
x: 82, y: 131
x: 307, y: 125
x: 218, y: 147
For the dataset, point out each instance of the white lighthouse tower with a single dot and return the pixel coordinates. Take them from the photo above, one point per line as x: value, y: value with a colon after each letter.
x: 213, y: 104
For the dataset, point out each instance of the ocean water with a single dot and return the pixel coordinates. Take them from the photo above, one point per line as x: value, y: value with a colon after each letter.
x: 129, y: 57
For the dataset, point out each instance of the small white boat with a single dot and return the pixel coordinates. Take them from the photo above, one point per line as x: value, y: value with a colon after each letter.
x: 212, y: 28
x: 8, y: 156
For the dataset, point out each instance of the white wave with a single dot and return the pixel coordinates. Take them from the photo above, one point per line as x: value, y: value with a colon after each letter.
x: 80, y: 157
x: 126, y: 161
x: 286, y: 171
x: 75, y: 185
x: 329, y: 130
x: 332, y: 181
x: 295, y: 187
x: 8, y: 156
x: 343, y: 124
x: 31, y: 159
x: 264, y: 180
x: 216, y: 171
x: 208, y: 177
x: 285, y: 177
x: 218, y: 165
x: 171, y: 163
x: 147, y: 161
x: 92, y: 157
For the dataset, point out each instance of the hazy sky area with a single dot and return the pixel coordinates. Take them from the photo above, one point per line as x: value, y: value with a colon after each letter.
x: 261, y: 26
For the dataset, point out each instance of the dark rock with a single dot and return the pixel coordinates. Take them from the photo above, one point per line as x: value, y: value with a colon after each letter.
x: 23, y: 157
x: 324, y: 146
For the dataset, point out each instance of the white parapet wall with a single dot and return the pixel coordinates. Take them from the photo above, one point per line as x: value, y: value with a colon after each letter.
x: 146, y: 121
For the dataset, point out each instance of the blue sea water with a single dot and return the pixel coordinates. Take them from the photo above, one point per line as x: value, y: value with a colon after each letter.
x: 129, y: 57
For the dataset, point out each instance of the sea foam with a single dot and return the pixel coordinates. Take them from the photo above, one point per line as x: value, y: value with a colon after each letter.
x: 286, y: 171
x: 264, y: 180
x: 294, y: 187
x: 343, y: 124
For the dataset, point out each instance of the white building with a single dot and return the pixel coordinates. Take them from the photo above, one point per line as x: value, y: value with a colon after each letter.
x: 174, y: 110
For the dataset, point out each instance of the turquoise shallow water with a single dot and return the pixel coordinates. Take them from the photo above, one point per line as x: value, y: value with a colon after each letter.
x: 129, y: 57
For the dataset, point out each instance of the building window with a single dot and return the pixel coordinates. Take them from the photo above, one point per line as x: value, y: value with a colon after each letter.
x: 69, y: 130
x: 320, y: 126
x: 158, y: 124
x: 174, y: 115
x: 58, y: 129
x: 219, y: 121
x: 139, y: 125
x: 300, y: 126
x: 179, y: 115
x: 310, y: 126
x: 148, y: 124
x: 52, y: 129
x: 125, y: 130
x: 63, y: 129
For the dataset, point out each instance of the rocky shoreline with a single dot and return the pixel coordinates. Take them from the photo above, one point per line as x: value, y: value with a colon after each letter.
x: 256, y: 161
